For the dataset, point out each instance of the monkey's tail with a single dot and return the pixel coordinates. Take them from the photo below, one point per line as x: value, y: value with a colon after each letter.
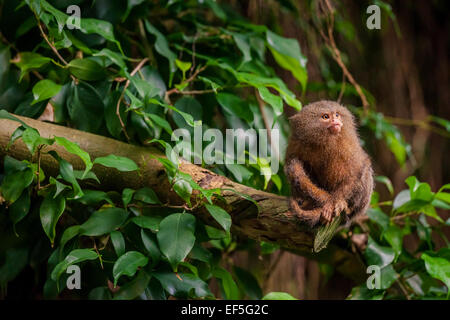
x: 326, y: 232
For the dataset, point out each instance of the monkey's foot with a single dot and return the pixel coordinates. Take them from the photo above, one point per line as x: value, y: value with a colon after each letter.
x: 311, y: 217
x: 328, y: 213
x: 332, y: 210
x: 341, y: 205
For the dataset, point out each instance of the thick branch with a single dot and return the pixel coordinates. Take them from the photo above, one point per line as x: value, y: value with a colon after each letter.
x: 273, y: 223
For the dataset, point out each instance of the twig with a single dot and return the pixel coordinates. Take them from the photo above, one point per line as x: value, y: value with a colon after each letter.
x: 98, y: 253
x: 402, y: 287
x: 139, y: 66
x: 193, y: 54
x: 424, y: 124
x: 273, y: 266
x: 38, y: 168
x: 341, y: 93
x: 261, y: 105
x: 144, y: 39
x: 336, y: 54
x: 50, y: 44
x: 190, y: 79
x: 399, y: 217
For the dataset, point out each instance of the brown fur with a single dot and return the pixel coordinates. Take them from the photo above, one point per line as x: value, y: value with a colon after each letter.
x: 328, y: 173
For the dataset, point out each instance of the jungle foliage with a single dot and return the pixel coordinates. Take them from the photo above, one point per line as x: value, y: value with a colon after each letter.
x: 135, y: 71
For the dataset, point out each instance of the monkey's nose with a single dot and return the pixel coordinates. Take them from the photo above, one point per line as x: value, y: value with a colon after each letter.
x: 335, y: 127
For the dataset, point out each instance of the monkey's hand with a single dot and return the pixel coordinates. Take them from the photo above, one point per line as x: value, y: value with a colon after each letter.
x: 333, y: 209
x: 300, y: 180
x: 339, y: 206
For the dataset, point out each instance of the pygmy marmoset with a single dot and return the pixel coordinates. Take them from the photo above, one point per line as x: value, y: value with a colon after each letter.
x: 327, y: 168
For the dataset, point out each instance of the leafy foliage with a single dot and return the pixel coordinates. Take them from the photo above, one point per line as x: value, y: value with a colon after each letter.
x: 136, y: 71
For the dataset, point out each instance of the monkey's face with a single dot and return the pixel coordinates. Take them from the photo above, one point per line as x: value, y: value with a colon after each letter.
x: 331, y: 121
x: 321, y: 121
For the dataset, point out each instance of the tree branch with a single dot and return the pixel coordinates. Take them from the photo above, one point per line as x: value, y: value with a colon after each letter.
x: 274, y: 222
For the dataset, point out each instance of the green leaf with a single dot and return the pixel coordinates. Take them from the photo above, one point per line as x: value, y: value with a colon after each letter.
x: 274, y: 101
x: 85, y: 107
x: 118, y: 242
x: 444, y: 196
x: 176, y: 237
x: 60, y: 187
x: 288, y: 55
x: 29, y: 60
x: 151, y: 223
x: 183, y: 189
x: 134, y: 288
x: 67, y: 173
x: 119, y: 163
x: 229, y: 286
x: 189, y: 285
x: 394, y: 235
x: 248, y: 282
x: 127, y: 196
x: 146, y: 195
x: 186, y: 116
x: 93, y: 197
x: 74, y: 257
x: 378, y: 255
x: 401, y: 198
x: 32, y: 139
x: 235, y: 106
x: 220, y: 215
x: 50, y: 211
x: 162, y: 46
x: 20, y: 208
x: 242, y: 42
x: 45, y: 89
x: 74, y: 148
x: 387, y: 182
x: 69, y: 234
x: 163, y: 123
x: 100, y: 27
x: 60, y: 17
x: 378, y: 216
x: 200, y: 253
x: 15, y: 183
x: 183, y: 66
x: 275, y: 83
x: 128, y: 264
x: 187, y: 107
x: 149, y: 241
x: 438, y: 267
x: 113, y: 56
x: 278, y: 296
x: 86, y: 69
x: 103, y: 222
x: 387, y: 277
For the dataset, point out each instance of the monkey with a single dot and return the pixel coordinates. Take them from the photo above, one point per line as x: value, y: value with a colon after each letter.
x: 327, y: 169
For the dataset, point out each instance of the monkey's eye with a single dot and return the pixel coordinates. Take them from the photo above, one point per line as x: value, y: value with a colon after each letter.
x: 337, y: 115
x: 325, y: 116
